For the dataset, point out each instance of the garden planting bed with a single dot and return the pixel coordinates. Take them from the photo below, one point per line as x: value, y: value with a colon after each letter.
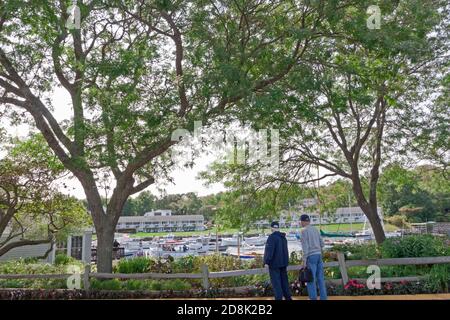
x: 66, y: 294
x: 352, y: 289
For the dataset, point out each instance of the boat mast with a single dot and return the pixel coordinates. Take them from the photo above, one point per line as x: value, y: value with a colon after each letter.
x: 349, y: 211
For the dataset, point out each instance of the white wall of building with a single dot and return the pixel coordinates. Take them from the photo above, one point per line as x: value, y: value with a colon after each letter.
x: 162, y: 223
x: 32, y: 251
x: 159, y: 212
x: 342, y: 215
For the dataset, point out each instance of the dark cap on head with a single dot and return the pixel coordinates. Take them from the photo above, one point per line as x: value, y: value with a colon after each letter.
x: 275, y: 224
x: 304, y: 217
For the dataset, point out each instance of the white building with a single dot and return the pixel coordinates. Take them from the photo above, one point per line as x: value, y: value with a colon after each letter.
x: 342, y: 215
x: 162, y: 223
x: 159, y: 212
x: 29, y: 251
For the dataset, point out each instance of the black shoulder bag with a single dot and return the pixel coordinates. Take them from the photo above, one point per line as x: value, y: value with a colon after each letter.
x: 305, y: 275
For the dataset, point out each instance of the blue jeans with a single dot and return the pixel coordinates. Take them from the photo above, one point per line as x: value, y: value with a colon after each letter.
x: 280, y: 283
x: 315, y: 264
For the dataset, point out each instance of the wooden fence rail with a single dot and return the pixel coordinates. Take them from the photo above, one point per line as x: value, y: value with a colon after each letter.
x: 205, y: 275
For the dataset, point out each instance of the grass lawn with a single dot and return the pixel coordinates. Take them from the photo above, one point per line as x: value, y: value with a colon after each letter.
x: 355, y: 227
x: 344, y: 227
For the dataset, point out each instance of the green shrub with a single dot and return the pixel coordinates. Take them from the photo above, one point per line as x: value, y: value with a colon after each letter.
x: 184, y: 264
x: 358, y: 251
x: 31, y: 260
x: 62, y: 259
x: 12, y: 283
x: 413, y: 246
x: 112, y: 284
x: 156, y: 285
x: 176, y: 285
x: 140, y: 285
x: 135, y: 265
x: 438, y: 279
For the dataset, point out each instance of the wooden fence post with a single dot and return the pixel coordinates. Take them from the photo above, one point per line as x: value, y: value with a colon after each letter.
x: 342, y: 268
x: 86, y: 282
x: 205, y: 277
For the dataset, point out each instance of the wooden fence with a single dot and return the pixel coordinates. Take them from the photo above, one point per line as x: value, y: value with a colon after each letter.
x: 206, y: 275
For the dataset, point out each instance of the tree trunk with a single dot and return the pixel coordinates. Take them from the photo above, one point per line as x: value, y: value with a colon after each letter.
x: 370, y: 210
x: 105, y: 239
x: 375, y: 223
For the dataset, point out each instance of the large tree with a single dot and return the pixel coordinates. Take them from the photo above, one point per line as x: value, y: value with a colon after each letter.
x: 137, y: 70
x: 346, y: 109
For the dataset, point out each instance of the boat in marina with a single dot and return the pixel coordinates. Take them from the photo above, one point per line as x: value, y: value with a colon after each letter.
x: 256, y: 241
x: 246, y: 251
x: 217, y: 247
x: 178, y: 248
x: 232, y: 242
x: 365, y: 235
x: 200, y: 244
x: 336, y: 234
x: 173, y: 249
x: 394, y: 234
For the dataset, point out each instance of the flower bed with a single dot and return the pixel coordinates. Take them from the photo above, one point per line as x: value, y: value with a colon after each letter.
x: 353, y: 288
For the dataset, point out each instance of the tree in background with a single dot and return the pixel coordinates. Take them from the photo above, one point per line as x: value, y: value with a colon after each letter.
x: 422, y: 193
x: 346, y: 107
x: 32, y: 211
x: 244, y: 203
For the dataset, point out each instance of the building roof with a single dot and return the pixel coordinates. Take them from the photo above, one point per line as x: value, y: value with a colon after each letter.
x: 160, y: 218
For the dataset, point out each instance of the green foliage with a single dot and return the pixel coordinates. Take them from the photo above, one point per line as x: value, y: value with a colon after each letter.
x: 176, y: 285
x: 400, y: 247
x: 359, y: 251
x: 29, y: 189
x: 184, y: 264
x: 187, y: 203
x: 62, y: 259
x: 135, y: 265
x: 421, y: 193
x: 414, y: 246
x: 400, y: 221
x: 110, y: 284
x: 142, y: 285
x: 115, y: 284
x: 23, y: 266
x: 438, y: 278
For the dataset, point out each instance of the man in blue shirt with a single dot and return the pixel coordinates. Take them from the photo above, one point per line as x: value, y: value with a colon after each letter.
x: 276, y: 258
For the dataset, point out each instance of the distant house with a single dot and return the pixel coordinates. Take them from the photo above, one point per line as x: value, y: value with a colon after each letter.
x: 160, y: 212
x: 342, y: 215
x: 352, y: 214
x: 32, y: 251
x: 163, y: 222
